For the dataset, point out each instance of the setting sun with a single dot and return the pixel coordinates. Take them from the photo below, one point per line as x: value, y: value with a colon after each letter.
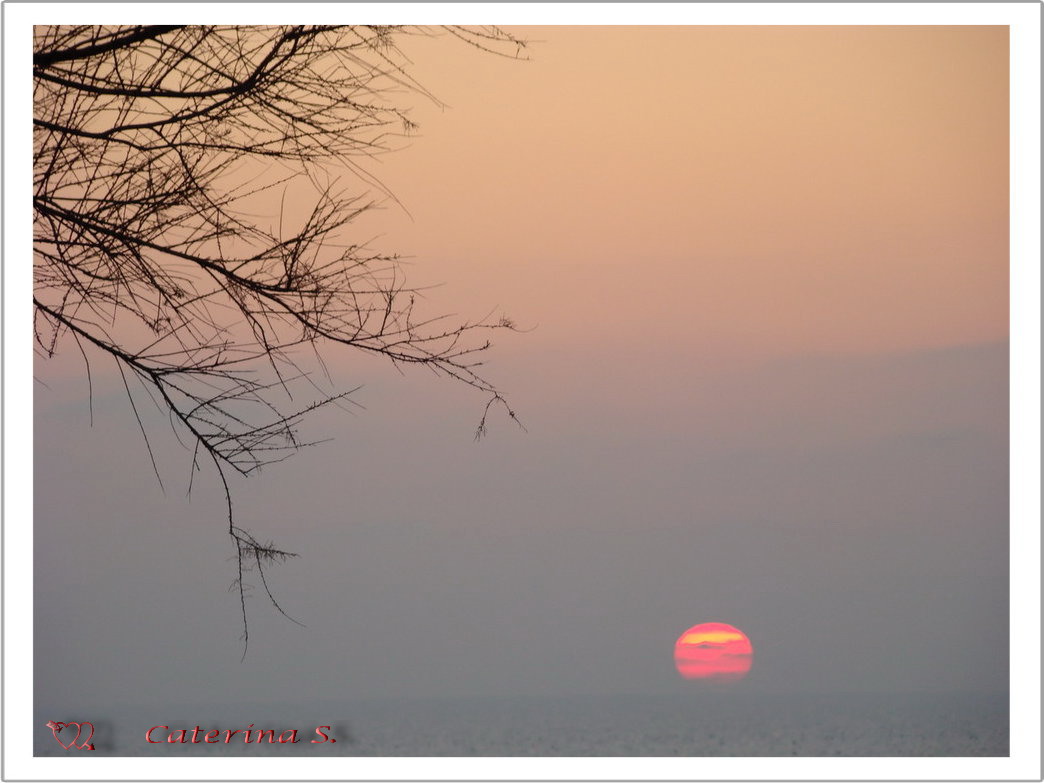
x: 713, y: 651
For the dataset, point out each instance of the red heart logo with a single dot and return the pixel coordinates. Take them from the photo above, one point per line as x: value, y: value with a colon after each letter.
x: 57, y: 726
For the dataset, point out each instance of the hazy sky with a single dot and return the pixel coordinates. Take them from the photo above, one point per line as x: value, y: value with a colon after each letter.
x: 764, y: 278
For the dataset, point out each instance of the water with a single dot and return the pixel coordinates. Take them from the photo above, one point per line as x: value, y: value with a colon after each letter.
x: 696, y: 724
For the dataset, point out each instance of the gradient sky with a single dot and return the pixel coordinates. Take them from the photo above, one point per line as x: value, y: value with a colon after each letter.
x: 764, y: 278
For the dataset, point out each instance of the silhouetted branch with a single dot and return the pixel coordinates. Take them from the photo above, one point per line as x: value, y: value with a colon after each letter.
x: 154, y: 147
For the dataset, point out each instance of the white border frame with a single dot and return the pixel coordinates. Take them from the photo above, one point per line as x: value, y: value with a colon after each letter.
x: 1024, y: 762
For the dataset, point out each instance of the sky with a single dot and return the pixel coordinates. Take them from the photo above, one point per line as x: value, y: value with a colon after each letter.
x: 761, y: 280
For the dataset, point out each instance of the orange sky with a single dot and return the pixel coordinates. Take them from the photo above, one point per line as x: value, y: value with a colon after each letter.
x: 705, y: 194
x: 768, y: 274
x: 721, y: 189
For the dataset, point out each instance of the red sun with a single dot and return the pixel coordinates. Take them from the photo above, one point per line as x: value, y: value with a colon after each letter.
x: 713, y: 651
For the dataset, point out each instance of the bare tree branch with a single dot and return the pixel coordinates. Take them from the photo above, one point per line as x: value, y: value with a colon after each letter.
x: 154, y: 149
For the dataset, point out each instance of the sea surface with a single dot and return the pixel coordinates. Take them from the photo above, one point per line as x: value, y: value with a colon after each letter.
x: 699, y: 724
